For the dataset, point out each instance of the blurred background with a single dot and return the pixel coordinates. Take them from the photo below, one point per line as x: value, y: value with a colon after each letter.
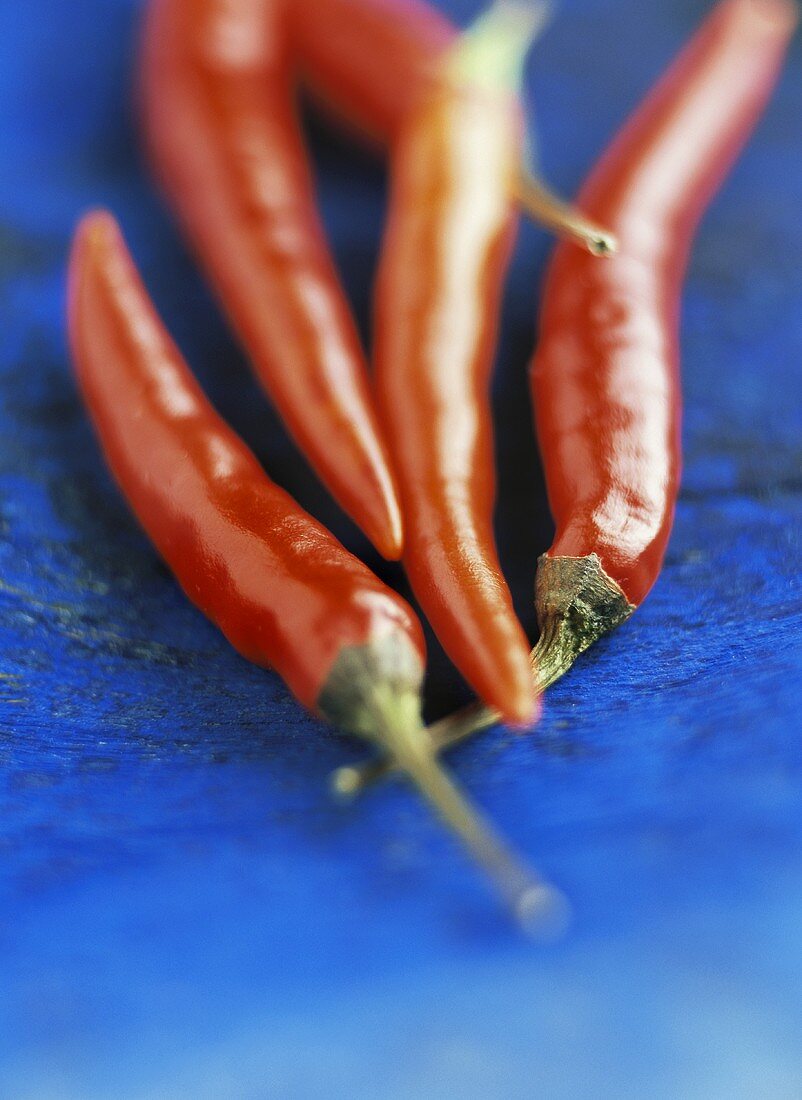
x: 183, y: 910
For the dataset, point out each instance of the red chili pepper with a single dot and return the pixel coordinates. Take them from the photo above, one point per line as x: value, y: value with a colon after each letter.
x: 280, y: 587
x: 370, y: 59
x: 225, y: 141
x: 440, y: 279
x: 605, y: 378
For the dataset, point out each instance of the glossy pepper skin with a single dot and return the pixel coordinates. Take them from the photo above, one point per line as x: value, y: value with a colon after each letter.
x: 605, y: 378
x: 284, y: 592
x: 441, y: 271
x: 224, y: 140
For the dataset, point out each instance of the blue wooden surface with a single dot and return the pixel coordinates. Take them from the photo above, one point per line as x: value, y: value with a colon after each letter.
x: 182, y: 910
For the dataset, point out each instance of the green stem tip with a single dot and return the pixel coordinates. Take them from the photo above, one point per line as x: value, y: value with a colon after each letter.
x: 491, y: 53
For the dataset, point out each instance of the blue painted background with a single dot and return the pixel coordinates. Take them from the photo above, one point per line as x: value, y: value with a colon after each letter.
x: 182, y: 910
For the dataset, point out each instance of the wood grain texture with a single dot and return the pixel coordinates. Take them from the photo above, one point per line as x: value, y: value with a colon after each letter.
x: 182, y: 911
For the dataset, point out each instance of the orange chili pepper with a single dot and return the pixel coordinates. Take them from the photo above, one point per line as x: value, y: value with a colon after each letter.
x: 441, y: 272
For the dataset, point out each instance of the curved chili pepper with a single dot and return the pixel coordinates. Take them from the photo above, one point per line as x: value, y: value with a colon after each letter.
x: 225, y: 142
x: 370, y: 59
x: 440, y: 278
x: 284, y: 592
x: 605, y: 377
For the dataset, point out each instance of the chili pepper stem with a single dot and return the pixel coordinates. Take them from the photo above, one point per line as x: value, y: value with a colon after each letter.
x: 350, y: 780
x: 536, y: 905
x: 374, y: 691
x: 547, y: 209
x: 491, y: 53
x: 577, y: 603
